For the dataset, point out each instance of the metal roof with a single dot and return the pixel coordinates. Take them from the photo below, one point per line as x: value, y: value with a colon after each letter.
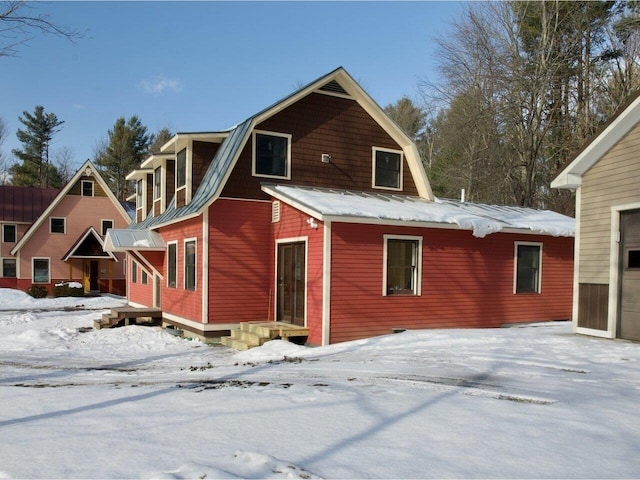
x: 122, y: 240
x: 24, y: 204
x: 385, y: 208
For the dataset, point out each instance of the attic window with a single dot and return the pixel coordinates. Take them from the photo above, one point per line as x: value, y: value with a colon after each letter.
x: 275, y: 211
x: 271, y: 154
x: 87, y: 188
x: 387, y: 169
x: 333, y: 87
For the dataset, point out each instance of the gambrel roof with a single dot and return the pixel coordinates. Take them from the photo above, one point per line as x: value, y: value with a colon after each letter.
x: 337, y: 82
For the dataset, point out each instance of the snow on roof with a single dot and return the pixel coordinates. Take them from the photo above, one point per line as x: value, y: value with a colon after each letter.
x: 120, y: 240
x: 482, y: 220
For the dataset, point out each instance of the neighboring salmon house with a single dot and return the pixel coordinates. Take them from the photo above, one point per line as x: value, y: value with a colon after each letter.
x: 317, y: 212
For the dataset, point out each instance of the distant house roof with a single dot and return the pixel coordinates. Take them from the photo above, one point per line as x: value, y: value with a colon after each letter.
x: 360, y: 207
x: 337, y: 81
x: 24, y: 204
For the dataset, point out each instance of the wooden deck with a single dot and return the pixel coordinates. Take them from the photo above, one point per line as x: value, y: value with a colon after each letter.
x: 254, y: 334
x: 129, y: 315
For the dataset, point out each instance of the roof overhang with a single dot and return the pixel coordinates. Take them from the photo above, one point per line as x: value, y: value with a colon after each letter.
x: 156, y: 160
x: 127, y: 240
x: 571, y: 176
x: 327, y: 205
x: 139, y: 173
x: 183, y: 139
x: 89, y: 234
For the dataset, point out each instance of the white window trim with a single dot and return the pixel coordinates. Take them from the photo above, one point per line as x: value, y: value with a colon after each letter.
x: 515, y: 267
x: 160, y: 172
x: 2, y: 259
x: 253, y: 153
x: 33, y: 269
x: 174, y: 242
x: 373, y: 169
x: 64, y: 220
x: 102, y: 220
x: 184, y: 265
x: 418, y: 272
x: 93, y: 187
x: 15, y: 235
x: 140, y: 196
x: 134, y: 271
x: 186, y: 169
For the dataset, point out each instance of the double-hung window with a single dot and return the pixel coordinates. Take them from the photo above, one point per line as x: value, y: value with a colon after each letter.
x: 528, y: 263
x: 172, y: 265
x: 157, y: 183
x: 271, y: 154
x: 9, y: 267
x: 190, y: 264
x: 402, y: 265
x: 41, y: 273
x: 387, y: 169
x: 87, y: 188
x: 9, y: 233
x: 181, y: 169
x: 139, y: 189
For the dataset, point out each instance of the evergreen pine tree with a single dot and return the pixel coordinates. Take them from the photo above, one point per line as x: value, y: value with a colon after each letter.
x: 36, y: 168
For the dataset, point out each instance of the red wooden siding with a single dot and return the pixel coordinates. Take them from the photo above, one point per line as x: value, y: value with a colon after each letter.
x: 138, y: 292
x: 293, y: 224
x: 466, y: 282
x: 178, y: 301
x: 240, y: 261
x: 337, y: 126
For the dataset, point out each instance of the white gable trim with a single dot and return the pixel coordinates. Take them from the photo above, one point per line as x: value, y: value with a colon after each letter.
x: 87, y: 166
x: 571, y: 176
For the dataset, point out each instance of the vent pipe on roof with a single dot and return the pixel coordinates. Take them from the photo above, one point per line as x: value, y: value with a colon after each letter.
x: 462, y: 192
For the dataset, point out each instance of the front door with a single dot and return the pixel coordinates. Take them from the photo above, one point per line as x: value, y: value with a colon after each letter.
x: 90, y: 275
x: 291, y: 283
x: 629, y: 299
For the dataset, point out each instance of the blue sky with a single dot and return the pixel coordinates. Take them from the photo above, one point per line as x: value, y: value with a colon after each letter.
x: 203, y: 66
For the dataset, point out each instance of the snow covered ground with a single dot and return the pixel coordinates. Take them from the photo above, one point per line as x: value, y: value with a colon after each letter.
x: 136, y: 402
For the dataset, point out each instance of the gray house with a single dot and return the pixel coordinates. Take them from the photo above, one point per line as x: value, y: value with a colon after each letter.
x: 605, y: 175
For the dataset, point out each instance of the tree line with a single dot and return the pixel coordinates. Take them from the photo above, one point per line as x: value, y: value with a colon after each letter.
x: 125, y: 146
x: 522, y: 86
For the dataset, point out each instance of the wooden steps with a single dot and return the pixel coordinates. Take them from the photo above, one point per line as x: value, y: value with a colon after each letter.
x: 129, y: 316
x: 255, y: 334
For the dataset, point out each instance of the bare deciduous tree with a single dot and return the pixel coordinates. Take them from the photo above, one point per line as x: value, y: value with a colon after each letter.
x: 19, y: 20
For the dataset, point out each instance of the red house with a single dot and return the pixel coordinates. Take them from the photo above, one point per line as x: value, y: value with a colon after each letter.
x: 51, y: 236
x: 317, y: 211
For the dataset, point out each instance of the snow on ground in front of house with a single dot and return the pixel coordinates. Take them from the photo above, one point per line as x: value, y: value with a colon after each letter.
x: 529, y: 401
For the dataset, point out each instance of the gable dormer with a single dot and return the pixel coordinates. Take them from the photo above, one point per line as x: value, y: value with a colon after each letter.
x: 143, y: 179
x: 193, y: 153
x: 87, y: 186
x: 162, y: 185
